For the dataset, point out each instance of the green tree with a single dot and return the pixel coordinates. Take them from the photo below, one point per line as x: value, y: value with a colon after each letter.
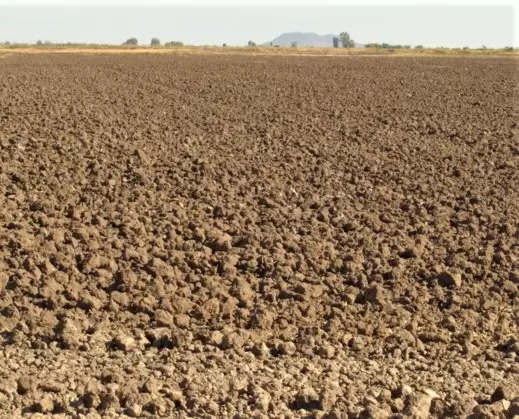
x: 251, y: 44
x: 336, y: 42
x: 131, y: 41
x: 346, y: 40
x: 155, y: 42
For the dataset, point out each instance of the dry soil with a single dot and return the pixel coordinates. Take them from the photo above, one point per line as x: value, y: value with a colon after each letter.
x: 240, y: 236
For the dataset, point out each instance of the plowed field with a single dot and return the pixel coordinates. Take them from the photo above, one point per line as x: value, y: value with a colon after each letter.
x: 240, y: 236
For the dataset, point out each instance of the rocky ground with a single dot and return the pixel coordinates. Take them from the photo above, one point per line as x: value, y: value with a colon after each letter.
x: 240, y: 236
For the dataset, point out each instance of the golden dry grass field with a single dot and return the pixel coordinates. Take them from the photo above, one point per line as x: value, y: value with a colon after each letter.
x: 196, y: 50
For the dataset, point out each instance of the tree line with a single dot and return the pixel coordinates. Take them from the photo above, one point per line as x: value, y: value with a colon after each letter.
x: 343, y: 40
x: 155, y: 42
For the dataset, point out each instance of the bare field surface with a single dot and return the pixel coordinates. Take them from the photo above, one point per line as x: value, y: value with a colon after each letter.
x: 242, y: 236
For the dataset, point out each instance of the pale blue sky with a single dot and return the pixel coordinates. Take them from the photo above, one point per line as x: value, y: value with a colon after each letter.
x: 432, y: 25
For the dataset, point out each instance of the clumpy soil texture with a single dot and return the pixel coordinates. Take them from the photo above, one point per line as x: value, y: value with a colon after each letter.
x: 259, y: 237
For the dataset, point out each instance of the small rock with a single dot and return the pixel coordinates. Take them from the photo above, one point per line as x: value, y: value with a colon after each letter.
x: 244, y: 293
x: 219, y: 241
x: 26, y: 384
x: 419, y: 404
x: 384, y: 395
x: 431, y: 393
x: 326, y: 351
x: 151, y: 387
x: 163, y: 318
x: 232, y: 340
x: 501, y: 393
x: 134, y: 411
x: 375, y: 294
x: 351, y: 297
x: 120, y: 298
x: 287, y: 348
x: 182, y: 321
x: 210, y: 309
x: 89, y: 302
x: 398, y: 404
x: 45, y: 405
x: 125, y: 343
x: 261, y: 350
x: 357, y: 343
x: 48, y: 267
x: 265, y: 319
x: 216, y: 338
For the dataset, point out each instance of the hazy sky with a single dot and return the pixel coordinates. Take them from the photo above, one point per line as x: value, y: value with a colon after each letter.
x: 432, y: 25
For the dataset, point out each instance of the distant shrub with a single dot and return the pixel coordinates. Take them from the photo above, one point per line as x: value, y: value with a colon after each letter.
x: 385, y: 45
x: 131, y: 41
x: 155, y: 42
x: 418, y: 47
x: 509, y: 49
x: 336, y: 41
x: 174, y: 44
x: 294, y: 44
x: 251, y: 44
x: 224, y: 45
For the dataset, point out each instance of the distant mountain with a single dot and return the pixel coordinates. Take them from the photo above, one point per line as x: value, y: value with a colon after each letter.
x: 305, y: 39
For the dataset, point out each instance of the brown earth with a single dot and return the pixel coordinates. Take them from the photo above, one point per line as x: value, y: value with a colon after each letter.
x: 238, y: 236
